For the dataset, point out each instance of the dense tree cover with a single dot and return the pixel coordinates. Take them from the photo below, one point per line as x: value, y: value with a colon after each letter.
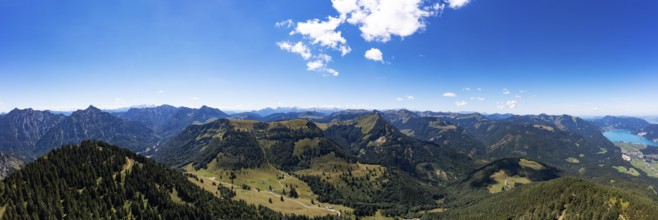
x: 512, y: 167
x: 251, y: 146
x: 568, y: 197
x: 217, y: 140
x: 395, y: 192
x: 434, y: 129
x: 96, y: 180
x: 373, y: 140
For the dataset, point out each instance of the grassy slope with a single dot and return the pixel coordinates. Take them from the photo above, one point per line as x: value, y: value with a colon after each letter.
x: 260, y: 179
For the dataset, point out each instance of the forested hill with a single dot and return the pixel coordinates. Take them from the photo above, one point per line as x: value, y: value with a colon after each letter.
x: 563, y: 198
x: 96, y: 180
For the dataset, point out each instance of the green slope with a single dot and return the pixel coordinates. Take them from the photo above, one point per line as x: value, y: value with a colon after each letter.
x: 563, y: 198
x: 96, y: 180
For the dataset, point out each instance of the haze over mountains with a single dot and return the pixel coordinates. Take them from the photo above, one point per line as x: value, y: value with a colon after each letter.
x: 393, y: 163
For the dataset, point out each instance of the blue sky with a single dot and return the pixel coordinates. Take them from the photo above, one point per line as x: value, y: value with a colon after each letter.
x: 527, y: 57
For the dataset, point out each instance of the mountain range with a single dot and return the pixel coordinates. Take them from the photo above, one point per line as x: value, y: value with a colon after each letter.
x: 355, y: 163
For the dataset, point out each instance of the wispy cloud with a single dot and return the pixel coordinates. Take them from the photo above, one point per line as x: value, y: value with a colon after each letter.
x: 506, y: 91
x: 287, y: 23
x: 467, y: 89
x: 374, y: 54
x: 296, y: 48
x: 160, y: 91
x: 511, y: 104
x: 194, y: 98
x: 454, y: 4
x: 478, y: 98
x: 408, y: 98
x: 119, y: 101
x: 449, y: 94
x: 461, y: 103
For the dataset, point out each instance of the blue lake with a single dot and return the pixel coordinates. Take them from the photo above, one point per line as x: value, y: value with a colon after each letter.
x: 627, y: 136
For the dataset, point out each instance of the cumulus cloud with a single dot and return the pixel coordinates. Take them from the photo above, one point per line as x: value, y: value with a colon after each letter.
x: 449, y: 94
x: 455, y: 4
x: 377, y: 20
x: 506, y: 91
x: 374, y: 54
x: 324, y: 33
x: 461, y: 103
x: 315, y: 65
x: 297, y: 48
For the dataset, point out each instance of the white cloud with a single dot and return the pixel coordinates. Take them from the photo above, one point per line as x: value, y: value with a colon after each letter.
x: 378, y: 20
x: 511, y: 104
x: 411, y: 98
x: 467, y: 89
x: 287, y: 23
x: 160, y: 91
x: 449, y: 94
x: 194, y: 98
x: 297, y: 48
x: 505, y: 91
x: 399, y: 99
x: 324, y: 33
x: 315, y: 65
x: 374, y: 54
x: 319, y: 64
x: 461, y: 103
x: 332, y: 72
x: 454, y: 4
x: 478, y: 98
